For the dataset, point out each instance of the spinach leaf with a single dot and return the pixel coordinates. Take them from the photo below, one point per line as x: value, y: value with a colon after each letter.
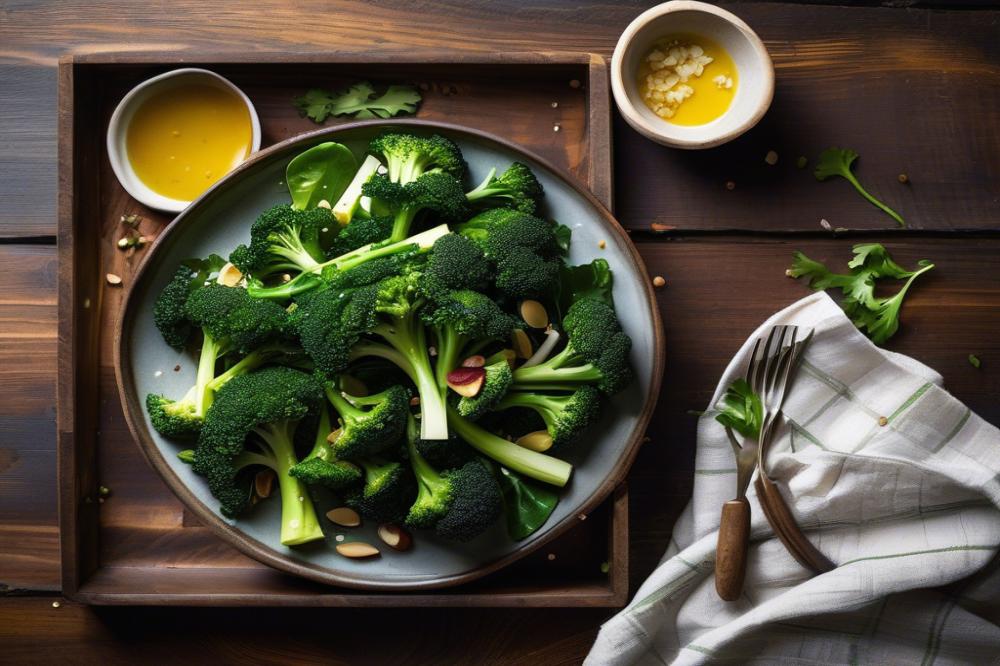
x: 527, y: 504
x: 593, y: 280
x: 322, y: 172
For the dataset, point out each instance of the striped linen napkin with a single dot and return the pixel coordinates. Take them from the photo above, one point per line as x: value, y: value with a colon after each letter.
x: 895, y: 480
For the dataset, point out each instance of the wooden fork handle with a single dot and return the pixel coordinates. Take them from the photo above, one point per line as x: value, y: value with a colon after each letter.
x: 731, y: 549
x: 787, y: 528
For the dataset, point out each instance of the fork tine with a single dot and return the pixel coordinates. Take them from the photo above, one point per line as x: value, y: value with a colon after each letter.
x: 752, y: 365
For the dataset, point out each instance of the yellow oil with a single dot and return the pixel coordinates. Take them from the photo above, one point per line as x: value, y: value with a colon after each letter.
x: 183, y: 139
x: 708, y: 101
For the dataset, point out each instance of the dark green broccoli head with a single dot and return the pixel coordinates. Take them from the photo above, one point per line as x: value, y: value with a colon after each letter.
x: 360, y: 232
x: 387, y: 494
x: 231, y: 314
x: 499, y: 377
x: 455, y: 263
x: 470, y: 314
x: 329, y: 324
x: 408, y: 156
x: 435, y: 191
x: 283, y: 239
x: 169, y: 313
x: 335, y: 475
x: 526, y: 275
x: 596, y: 334
x: 476, y: 503
x: 177, y: 419
x: 516, y: 188
x: 565, y: 416
x: 374, y: 270
x: 445, y: 453
x: 369, y: 424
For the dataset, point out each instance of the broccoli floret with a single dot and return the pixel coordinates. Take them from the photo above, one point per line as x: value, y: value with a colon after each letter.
x: 321, y: 466
x: 455, y: 263
x: 445, y: 453
x: 347, y: 205
x: 498, y: 379
x: 459, y: 504
x: 435, y: 192
x: 252, y: 424
x: 516, y: 188
x: 459, y: 318
x: 283, y: 240
x: 536, y: 465
x: 596, y: 353
x: 230, y: 321
x: 565, y: 416
x: 169, y: 314
x: 408, y: 156
x: 360, y: 232
x: 523, y: 248
x: 369, y: 424
x: 388, y: 491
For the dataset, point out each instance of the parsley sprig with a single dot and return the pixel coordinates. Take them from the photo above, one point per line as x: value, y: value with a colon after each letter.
x: 877, y: 316
x: 359, y: 100
x: 741, y: 409
x: 837, y: 162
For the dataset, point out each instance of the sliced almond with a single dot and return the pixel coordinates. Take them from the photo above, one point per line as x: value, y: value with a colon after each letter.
x: 476, y: 361
x: 323, y: 203
x: 540, y: 440
x: 521, y: 343
x: 357, y: 549
x: 466, y: 382
x: 229, y: 276
x: 395, y: 536
x: 534, y: 315
x: 332, y: 437
x: 263, y: 483
x: 353, y: 386
x: 113, y: 279
x: 344, y: 516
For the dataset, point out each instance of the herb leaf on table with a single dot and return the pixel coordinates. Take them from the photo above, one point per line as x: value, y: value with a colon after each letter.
x: 876, y: 316
x: 837, y: 162
x: 359, y: 100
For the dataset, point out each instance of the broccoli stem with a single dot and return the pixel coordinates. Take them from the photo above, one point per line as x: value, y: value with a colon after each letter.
x: 449, y: 348
x: 248, y: 363
x: 299, y: 523
x: 536, y: 465
x: 552, y: 374
x: 295, y: 251
x: 203, y: 393
x: 321, y: 449
x: 482, y: 190
x: 408, y: 337
x: 429, y: 482
x: 401, y: 224
x: 549, y: 407
x: 342, y: 404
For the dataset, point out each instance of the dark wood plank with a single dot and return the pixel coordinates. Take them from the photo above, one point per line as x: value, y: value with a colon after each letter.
x: 915, y: 91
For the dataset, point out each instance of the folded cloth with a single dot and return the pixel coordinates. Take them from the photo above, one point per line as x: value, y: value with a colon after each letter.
x: 891, y: 477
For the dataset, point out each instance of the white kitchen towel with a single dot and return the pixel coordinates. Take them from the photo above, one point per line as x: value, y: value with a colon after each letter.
x: 894, y: 480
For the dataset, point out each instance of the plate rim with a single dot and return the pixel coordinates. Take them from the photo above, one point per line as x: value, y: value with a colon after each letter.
x: 131, y: 404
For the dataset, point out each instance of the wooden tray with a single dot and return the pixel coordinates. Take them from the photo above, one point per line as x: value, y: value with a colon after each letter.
x: 138, y: 545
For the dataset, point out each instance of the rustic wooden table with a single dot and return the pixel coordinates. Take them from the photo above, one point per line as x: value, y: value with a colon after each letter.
x: 914, y: 87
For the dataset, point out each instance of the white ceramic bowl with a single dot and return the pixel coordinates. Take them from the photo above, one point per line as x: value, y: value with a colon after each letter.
x: 756, y: 73
x: 120, y: 119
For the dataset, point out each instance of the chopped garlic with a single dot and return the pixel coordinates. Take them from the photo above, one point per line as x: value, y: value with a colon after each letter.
x: 666, y: 87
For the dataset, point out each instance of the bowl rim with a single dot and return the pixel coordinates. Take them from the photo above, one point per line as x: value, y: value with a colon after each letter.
x: 120, y: 164
x: 658, y: 134
x: 132, y: 405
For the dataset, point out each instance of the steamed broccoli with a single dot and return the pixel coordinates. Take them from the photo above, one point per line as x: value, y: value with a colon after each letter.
x: 498, y: 379
x: 455, y: 263
x: 565, y: 416
x: 458, y: 504
x: 252, y: 424
x: 524, y: 249
x: 369, y: 424
x: 347, y: 205
x: 596, y: 353
x: 321, y: 466
x: 408, y: 156
x: 516, y: 188
x: 388, y: 491
x: 435, y: 192
x: 445, y: 453
x: 283, y: 240
x: 360, y: 232
x: 169, y: 314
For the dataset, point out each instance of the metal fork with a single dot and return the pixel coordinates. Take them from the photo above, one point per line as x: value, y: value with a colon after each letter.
x: 768, y: 373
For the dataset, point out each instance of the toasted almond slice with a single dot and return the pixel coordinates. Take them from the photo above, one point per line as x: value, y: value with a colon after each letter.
x: 521, y: 343
x: 323, y: 203
x: 263, y: 483
x: 357, y: 549
x: 466, y: 382
x: 395, y: 536
x: 534, y: 315
x: 229, y: 276
x: 353, y: 386
x: 540, y: 440
x: 113, y: 279
x: 332, y: 437
x: 476, y: 361
x: 344, y: 516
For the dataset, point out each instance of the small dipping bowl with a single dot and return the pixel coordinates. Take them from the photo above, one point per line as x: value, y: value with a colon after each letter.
x: 125, y: 112
x: 756, y: 72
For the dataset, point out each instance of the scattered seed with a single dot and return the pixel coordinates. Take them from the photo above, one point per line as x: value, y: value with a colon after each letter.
x: 903, y: 178
x: 582, y: 516
x: 574, y: 83
x: 124, y: 242
x: 357, y: 549
x: 131, y: 220
x: 883, y: 421
x: 533, y: 313
x: 263, y: 483
x: 394, y: 536
x: 605, y: 567
x: 602, y: 244
x: 556, y: 128
x: 555, y: 105
x: 551, y: 556
x: 826, y: 225
x: 113, y: 279
x: 86, y: 304
x: 339, y: 537
x: 974, y: 361
x: 229, y: 276
x: 801, y: 162
x: 344, y: 516
x: 285, y: 277
x: 323, y: 203
x: 659, y: 227
x: 730, y: 185
x: 789, y: 273
x: 56, y: 604
x: 658, y: 281
x: 771, y: 157
x: 177, y: 368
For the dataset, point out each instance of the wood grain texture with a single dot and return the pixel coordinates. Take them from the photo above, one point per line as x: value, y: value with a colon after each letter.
x: 731, y: 549
x: 915, y: 91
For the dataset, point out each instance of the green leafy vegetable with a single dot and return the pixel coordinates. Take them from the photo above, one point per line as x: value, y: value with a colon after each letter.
x: 837, y: 162
x: 741, y: 410
x: 527, y: 504
x: 878, y: 317
x: 593, y: 280
x: 321, y: 173
x: 359, y: 100
x: 974, y: 361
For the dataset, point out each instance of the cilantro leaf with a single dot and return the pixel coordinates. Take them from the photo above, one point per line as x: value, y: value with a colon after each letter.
x: 837, y: 162
x: 741, y: 410
x: 974, y: 361
x: 359, y: 100
x: 877, y: 317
